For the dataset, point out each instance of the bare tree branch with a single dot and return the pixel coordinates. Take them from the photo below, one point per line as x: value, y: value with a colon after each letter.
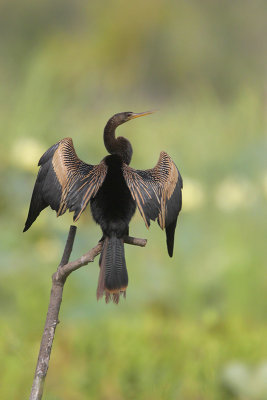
x: 58, y: 280
x: 63, y: 271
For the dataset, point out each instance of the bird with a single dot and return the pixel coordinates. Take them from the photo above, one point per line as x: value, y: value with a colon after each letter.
x: 114, y: 191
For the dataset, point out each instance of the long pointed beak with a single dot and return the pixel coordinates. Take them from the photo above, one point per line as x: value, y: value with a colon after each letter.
x: 137, y: 115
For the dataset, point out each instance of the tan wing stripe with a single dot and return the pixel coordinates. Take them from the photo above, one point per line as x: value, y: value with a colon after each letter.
x: 172, y: 182
x: 59, y: 166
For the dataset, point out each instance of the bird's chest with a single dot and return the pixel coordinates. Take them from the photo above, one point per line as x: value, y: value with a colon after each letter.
x: 113, y: 200
x: 114, y: 191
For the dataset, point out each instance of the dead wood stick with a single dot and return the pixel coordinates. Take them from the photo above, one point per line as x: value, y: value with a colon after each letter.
x: 58, y: 280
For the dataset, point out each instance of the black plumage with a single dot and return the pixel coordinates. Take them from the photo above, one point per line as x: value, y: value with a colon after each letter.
x: 114, y: 190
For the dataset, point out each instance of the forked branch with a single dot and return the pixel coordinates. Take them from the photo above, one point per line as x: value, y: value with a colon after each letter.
x: 64, y: 269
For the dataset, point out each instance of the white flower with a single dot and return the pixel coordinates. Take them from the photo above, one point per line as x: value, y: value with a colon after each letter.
x: 193, y: 194
x: 26, y: 153
x: 233, y: 193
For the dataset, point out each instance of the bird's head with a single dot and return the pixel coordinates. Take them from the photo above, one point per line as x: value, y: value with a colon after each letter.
x: 123, y: 117
x: 120, y: 145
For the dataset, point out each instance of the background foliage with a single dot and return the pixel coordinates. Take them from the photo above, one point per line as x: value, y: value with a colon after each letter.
x: 192, y: 327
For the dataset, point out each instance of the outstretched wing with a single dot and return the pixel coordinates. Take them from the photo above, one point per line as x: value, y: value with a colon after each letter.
x: 158, y: 194
x: 64, y: 182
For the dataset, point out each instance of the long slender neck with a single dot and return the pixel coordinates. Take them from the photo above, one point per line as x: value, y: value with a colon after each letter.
x: 120, y: 145
x: 110, y: 141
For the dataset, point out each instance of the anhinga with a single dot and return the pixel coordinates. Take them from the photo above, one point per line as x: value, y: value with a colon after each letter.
x: 113, y: 189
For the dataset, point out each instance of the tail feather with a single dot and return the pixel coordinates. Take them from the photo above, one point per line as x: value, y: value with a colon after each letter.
x: 170, y: 232
x: 113, y: 276
x: 37, y: 201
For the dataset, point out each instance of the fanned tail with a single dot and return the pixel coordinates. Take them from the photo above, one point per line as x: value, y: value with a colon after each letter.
x: 113, y: 276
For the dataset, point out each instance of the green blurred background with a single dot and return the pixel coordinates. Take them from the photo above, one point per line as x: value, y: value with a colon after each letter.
x: 192, y: 327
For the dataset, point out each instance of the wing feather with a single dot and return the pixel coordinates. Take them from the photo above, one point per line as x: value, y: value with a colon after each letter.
x: 158, y: 194
x: 64, y: 182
